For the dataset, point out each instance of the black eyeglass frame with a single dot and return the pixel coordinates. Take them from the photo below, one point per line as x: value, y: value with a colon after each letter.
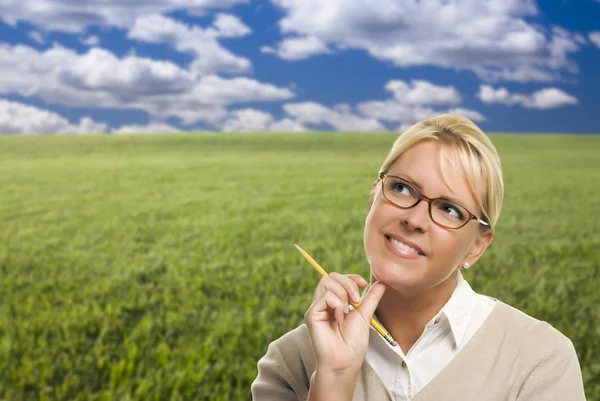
x: 420, y: 196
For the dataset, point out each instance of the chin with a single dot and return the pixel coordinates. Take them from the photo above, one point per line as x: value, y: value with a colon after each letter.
x: 396, y: 274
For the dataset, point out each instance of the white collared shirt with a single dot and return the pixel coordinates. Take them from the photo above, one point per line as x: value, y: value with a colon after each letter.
x: 444, y: 335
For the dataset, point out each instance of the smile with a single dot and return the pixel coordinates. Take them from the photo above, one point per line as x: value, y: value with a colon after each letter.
x: 401, y: 249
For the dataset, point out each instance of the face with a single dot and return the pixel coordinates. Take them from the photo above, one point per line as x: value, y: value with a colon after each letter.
x: 439, y: 251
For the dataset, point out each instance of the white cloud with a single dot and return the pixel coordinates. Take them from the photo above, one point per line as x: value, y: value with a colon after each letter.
x: 287, y: 125
x: 37, y: 36
x: 230, y: 26
x: 267, y: 49
x: 340, y: 120
x: 98, y: 78
x: 17, y: 118
x: 470, y: 114
x: 210, y: 56
x: 252, y: 120
x: 75, y: 16
x: 595, y: 37
x: 91, y: 40
x: 86, y: 126
x: 547, y: 98
x: 489, y: 95
x: 421, y: 92
x: 152, y: 128
x: 299, y: 48
x: 551, y: 98
x: 393, y: 111
x: 414, y: 102
x: 493, y: 38
x: 247, y: 120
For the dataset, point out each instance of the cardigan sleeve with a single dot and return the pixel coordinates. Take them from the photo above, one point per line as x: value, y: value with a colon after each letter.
x: 284, y: 372
x: 273, y: 380
x: 554, y: 374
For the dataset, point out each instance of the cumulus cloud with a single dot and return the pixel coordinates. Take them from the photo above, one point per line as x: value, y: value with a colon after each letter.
x: 75, y: 16
x: 298, y: 48
x: 37, y: 36
x: 470, y: 114
x: 410, y: 102
x: 151, y: 128
x: 548, y: 98
x: 91, y: 40
x: 230, y: 26
x: 98, y: 78
x: 393, y: 111
x: 252, y: 120
x: 287, y: 125
x: 267, y: 49
x: 420, y: 92
x: 595, y: 37
x: 210, y: 56
x: 341, y: 119
x: 17, y: 118
x: 492, y: 38
x: 415, y: 101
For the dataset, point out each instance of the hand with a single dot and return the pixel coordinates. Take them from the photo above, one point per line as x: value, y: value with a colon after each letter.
x: 340, y: 337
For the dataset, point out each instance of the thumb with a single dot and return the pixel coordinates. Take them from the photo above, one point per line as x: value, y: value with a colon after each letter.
x: 371, y: 300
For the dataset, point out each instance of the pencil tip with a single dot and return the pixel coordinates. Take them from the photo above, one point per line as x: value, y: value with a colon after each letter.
x: 300, y: 249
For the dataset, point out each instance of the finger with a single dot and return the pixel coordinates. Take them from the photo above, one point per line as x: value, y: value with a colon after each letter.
x: 333, y: 284
x: 348, y: 284
x: 335, y: 304
x: 370, y: 301
x: 359, y: 280
x: 323, y: 308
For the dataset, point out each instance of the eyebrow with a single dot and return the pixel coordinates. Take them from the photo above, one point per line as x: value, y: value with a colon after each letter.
x: 416, y: 184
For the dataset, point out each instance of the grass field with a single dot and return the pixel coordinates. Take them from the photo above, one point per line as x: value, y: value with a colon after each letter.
x: 161, y: 267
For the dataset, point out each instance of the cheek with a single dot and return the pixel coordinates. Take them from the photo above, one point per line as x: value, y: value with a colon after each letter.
x: 451, y: 247
x: 372, y: 228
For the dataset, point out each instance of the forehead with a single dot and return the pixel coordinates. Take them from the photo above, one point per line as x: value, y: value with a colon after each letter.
x: 436, y: 168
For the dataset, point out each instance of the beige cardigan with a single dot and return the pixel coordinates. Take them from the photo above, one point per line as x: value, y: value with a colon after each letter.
x: 511, y: 357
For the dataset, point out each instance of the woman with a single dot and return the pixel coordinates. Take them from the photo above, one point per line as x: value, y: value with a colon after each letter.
x: 432, y: 213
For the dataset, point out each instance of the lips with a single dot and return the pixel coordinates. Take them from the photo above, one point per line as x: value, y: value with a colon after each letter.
x: 406, y: 242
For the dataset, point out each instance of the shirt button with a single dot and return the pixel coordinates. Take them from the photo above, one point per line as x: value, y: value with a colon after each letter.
x: 404, y: 364
x: 436, y: 321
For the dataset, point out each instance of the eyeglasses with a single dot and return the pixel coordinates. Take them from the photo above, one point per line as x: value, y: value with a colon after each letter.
x: 443, y: 212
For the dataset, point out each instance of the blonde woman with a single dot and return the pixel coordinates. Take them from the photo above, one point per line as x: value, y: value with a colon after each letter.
x: 433, y: 210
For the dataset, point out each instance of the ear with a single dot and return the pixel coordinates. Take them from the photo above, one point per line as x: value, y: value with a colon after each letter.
x: 480, y: 245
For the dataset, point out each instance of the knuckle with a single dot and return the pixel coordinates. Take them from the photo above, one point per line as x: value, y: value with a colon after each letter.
x: 335, y: 277
x: 356, y: 278
x: 332, y: 298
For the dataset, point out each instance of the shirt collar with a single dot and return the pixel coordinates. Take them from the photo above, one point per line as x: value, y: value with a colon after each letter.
x: 458, y: 310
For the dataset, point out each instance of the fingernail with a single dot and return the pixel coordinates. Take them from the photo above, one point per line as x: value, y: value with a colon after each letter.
x: 355, y: 296
x: 347, y: 308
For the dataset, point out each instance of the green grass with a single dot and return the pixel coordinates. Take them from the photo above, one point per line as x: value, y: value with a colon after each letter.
x: 161, y: 267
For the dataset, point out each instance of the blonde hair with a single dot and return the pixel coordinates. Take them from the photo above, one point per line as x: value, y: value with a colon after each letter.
x: 476, y: 154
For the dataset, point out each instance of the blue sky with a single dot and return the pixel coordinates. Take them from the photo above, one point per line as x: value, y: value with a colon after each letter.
x: 294, y: 65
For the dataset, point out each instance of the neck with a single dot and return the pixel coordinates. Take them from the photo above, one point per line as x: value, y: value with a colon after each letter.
x: 405, y: 315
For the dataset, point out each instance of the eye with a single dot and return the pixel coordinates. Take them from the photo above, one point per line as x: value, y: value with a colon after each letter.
x: 452, y: 211
x: 401, y: 188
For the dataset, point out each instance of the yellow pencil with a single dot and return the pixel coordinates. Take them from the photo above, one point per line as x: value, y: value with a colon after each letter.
x: 388, y: 337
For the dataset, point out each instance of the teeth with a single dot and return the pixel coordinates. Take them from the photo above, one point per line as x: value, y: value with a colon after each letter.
x: 403, y: 246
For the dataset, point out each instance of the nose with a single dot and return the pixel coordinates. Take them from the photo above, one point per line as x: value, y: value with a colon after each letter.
x: 417, y: 217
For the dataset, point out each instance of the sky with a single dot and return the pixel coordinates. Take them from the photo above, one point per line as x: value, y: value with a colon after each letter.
x: 124, y: 66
